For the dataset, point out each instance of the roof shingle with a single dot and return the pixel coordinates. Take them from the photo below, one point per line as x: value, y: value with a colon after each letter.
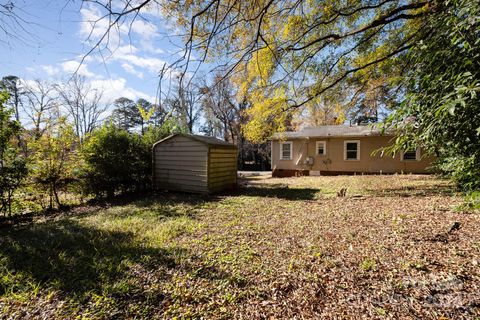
x: 333, y: 131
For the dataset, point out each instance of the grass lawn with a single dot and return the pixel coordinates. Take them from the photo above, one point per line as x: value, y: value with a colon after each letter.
x: 277, y: 248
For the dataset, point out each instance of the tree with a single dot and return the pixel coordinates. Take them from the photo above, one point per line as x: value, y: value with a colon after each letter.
x: 12, y: 84
x: 441, y: 111
x: 160, y: 115
x: 16, y: 24
x: 226, y: 117
x: 125, y: 114
x: 325, y: 110
x: 117, y: 161
x: 155, y: 133
x: 145, y: 111
x: 219, y: 103
x: 41, y: 99
x: 53, y: 158
x: 83, y: 104
x: 285, y: 54
x: 129, y: 115
x: 12, y: 166
x: 184, y: 102
x: 375, y: 91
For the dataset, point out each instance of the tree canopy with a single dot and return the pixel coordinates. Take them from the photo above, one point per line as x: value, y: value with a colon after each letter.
x: 285, y: 55
x: 441, y: 110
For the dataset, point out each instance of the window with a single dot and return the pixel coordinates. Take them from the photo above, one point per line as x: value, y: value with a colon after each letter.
x: 351, y: 150
x: 411, y: 155
x: 321, y: 147
x: 286, y: 150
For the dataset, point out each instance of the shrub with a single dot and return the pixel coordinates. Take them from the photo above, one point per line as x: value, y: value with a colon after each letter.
x: 114, y: 160
x: 53, y: 159
x: 464, y: 171
x: 117, y: 161
x: 13, y: 168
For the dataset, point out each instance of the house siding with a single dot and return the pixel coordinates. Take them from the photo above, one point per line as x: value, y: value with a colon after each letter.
x: 333, y: 161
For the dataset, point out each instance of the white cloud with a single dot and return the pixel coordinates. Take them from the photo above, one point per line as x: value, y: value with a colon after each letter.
x: 151, y: 64
x: 123, y: 50
x: 129, y: 54
x: 145, y: 29
x: 115, y: 88
x: 138, y: 59
x: 149, y: 46
x: 39, y: 71
x: 51, y: 71
x: 131, y: 69
x: 94, y: 26
x: 153, y: 8
x: 73, y: 66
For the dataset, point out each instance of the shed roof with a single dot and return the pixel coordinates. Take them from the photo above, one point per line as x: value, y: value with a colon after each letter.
x: 209, y: 141
x: 334, y: 131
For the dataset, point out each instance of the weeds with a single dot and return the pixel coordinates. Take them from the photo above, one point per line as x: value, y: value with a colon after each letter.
x: 368, y: 264
x: 471, y: 202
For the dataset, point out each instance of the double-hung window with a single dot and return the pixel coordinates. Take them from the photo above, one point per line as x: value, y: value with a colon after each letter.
x: 321, y: 147
x: 286, y: 150
x: 351, y: 150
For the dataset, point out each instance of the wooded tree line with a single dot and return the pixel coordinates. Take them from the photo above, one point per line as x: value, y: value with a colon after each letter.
x: 61, y: 137
x: 57, y: 139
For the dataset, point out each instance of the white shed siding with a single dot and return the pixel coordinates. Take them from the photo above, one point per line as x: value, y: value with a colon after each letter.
x: 180, y: 163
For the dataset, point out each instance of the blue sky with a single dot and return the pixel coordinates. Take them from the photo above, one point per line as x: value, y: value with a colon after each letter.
x: 60, y: 33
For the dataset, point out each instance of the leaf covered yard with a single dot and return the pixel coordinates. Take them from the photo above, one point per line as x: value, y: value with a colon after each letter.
x: 398, y: 246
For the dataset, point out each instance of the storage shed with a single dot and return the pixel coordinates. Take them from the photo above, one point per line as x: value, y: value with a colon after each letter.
x: 193, y: 163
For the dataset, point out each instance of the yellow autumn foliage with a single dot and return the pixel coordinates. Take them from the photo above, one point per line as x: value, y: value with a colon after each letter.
x: 267, y: 115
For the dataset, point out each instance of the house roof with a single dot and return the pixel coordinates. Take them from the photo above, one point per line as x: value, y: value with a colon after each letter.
x: 210, y: 141
x: 333, y: 131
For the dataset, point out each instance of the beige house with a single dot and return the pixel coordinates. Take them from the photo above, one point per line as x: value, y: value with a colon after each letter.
x: 331, y: 150
x: 192, y: 163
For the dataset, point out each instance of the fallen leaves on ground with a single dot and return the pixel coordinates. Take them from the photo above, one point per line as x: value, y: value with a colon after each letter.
x: 392, y: 247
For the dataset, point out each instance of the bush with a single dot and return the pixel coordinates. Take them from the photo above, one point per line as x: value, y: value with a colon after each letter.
x: 13, y: 169
x: 53, y: 159
x: 117, y: 161
x: 114, y: 161
x: 464, y: 171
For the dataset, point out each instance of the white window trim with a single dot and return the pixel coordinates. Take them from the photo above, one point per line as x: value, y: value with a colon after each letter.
x: 324, y: 148
x: 417, y: 156
x: 345, y: 150
x: 281, y: 150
